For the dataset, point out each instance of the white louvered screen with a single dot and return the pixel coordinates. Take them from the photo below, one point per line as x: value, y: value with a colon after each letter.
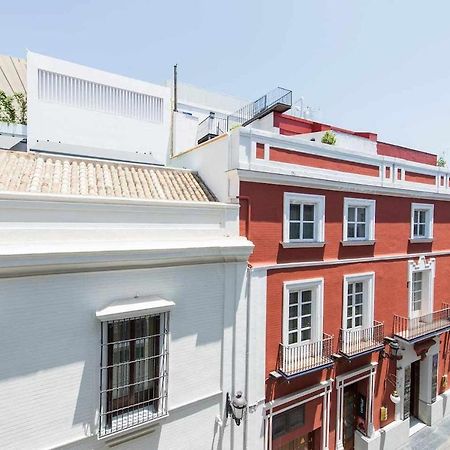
x: 58, y: 88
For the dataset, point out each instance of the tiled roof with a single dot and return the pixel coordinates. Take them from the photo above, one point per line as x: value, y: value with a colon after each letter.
x: 38, y: 173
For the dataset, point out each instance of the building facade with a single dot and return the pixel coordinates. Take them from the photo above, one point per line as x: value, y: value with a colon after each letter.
x: 351, y: 266
x: 122, y: 301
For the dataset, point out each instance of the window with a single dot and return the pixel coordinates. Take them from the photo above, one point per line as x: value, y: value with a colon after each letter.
x: 133, y: 372
x: 358, y: 300
x: 304, y: 217
x: 359, y: 220
x: 355, y: 301
x: 416, y: 294
x: 422, y: 221
x: 288, y: 421
x: 303, y: 311
x: 300, y: 316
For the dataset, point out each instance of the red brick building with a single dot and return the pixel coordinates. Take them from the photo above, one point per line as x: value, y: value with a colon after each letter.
x: 351, y: 270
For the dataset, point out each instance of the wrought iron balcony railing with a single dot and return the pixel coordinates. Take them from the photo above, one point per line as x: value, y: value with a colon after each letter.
x: 356, y: 341
x: 279, y: 99
x: 304, y: 357
x: 417, y: 328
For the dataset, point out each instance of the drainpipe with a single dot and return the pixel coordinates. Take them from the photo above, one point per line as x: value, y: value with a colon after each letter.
x: 247, y: 220
x: 247, y: 350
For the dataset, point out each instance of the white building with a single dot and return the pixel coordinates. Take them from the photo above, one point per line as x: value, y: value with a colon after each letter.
x: 123, y: 284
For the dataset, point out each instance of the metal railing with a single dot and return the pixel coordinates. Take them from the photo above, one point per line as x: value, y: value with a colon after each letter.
x: 360, y: 340
x: 278, y: 97
x: 413, y: 328
x: 210, y: 127
x: 305, y: 356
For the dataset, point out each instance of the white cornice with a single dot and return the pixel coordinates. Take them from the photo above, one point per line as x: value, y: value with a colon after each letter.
x: 320, y: 183
x: 336, y: 262
x: 51, y: 262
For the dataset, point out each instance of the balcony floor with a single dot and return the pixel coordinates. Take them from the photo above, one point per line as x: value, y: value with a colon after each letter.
x: 424, y: 330
x: 361, y: 348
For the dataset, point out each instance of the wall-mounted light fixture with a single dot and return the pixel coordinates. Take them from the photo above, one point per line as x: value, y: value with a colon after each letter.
x: 394, y: 347
x: 236, y: 407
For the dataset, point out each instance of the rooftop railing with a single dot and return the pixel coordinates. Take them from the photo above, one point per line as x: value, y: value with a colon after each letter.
x: 210, y: 127
x: 353, y: 342
x: 279, y: 99
x: 303, y: 357
x: 413, y: 329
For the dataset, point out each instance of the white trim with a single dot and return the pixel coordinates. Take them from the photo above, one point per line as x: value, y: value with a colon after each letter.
x: 429, y: 211
x: 316, y: 285
x: 302, y: 244
x: 337, y: 262
x: 134, y: 307
x: 429, y: 268
x: 287, y: 179
x: 321, y: 390
x: 368, y: 280
x: 370, y: 219
x: 368, y: 371
x: 319, y: 216
x: 357, y: 243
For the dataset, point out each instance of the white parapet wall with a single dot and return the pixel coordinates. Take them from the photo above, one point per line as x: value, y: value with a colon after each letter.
x: 79, y: 110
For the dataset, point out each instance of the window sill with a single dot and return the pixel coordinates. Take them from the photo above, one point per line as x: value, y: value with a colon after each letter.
x: 420, y: 240
x: 357, y: 243
x: 302, y: 244
x: 117, y: 437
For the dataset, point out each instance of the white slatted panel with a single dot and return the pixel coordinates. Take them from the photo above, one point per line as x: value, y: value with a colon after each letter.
x: 58, y: 88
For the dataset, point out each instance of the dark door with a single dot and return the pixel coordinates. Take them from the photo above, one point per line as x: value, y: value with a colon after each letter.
x: 305, y: 442
x: 415, y: 383
x: 349, y: 417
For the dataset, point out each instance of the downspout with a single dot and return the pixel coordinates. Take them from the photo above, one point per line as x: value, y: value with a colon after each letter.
x: 247, y: 350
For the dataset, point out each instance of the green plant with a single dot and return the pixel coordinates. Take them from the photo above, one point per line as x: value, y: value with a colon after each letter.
x: 329, y: 138
x: 13, y: 108
x: 441, y: 162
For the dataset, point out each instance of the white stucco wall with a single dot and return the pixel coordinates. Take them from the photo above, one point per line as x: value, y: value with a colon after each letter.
x: 63, y: 128
x: 49, y: 378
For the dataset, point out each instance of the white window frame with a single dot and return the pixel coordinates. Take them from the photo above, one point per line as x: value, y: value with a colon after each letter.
x: 129, y: 310
x: 428, y: 273
x: 369, y: 204
x: 429, y: 212
x: 316, y: 285
x: 319, y: 219
x: 368, y: 280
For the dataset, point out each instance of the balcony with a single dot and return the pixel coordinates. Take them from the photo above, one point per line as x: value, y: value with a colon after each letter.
x: 422, y: 327
x: 356, y: 342
x: 211, y: 127
x: 279, y: 99
x: 305, y: 357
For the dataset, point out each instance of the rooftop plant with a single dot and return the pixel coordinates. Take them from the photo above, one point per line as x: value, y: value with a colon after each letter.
x: 329, y: 138
x: 13, y: 108
x: 441, y: 162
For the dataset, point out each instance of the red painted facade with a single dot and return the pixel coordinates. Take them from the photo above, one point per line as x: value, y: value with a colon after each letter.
x: 333, y: 261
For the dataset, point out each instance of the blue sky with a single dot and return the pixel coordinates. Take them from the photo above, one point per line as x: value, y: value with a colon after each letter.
x: 369, y: 65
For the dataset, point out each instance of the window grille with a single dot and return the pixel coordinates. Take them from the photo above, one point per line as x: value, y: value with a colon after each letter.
x: 133, y: 373
x: 57, y: 88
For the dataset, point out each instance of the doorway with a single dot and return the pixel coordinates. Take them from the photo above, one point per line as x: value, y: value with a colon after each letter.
x: 305, y: 442
x: 415, y: 386
x: 349, y: 417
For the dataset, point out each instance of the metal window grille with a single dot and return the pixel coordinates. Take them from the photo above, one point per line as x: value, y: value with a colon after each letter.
x: 57, y: 88
x: 133, y: 372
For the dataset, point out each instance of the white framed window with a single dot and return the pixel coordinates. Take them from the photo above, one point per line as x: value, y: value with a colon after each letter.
x: 304, y: 220
x: 358, y: 301
x: 422, y: 221
x: 359, y: 221
x: 133, y: 363
x: 302, y: 311
x: 421, y: 286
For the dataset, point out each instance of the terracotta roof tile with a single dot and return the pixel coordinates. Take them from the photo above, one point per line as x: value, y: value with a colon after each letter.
x: 39, y: 173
